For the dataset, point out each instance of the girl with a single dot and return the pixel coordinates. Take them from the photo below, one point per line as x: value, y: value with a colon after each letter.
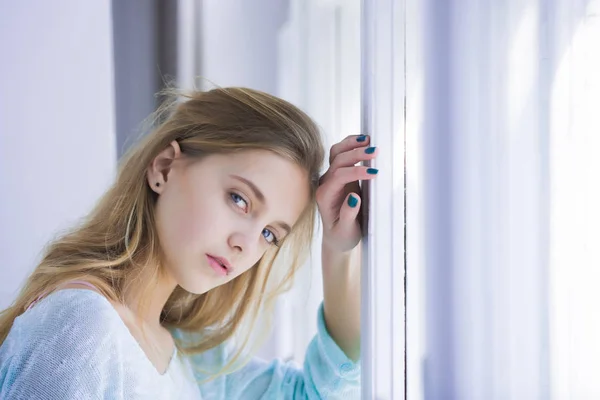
x: 139, y: 301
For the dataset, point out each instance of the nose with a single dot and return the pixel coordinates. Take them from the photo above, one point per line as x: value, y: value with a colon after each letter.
x: 246, y: 235
x: 239, y: 241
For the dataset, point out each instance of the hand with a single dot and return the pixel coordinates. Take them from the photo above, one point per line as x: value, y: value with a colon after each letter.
x: 338, y: 195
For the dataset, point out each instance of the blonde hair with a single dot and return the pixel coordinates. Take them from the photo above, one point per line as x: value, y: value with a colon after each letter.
x: 118, y: 238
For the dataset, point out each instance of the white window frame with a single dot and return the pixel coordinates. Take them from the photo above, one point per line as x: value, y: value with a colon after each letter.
x: 383, y: 269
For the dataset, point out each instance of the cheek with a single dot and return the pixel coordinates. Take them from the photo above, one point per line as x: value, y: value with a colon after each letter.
x: 247, y: 267
x: 181, y: 226
x: 190, y: 225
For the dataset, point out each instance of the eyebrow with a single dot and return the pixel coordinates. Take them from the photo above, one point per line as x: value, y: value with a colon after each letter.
x: 261, y: 197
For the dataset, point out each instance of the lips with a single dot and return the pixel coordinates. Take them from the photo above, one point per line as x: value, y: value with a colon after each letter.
x: 222, y: 262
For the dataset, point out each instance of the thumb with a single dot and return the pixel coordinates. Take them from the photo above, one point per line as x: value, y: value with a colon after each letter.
x: 350, y: 210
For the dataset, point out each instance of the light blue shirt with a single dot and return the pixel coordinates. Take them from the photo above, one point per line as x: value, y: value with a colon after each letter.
x: 74, y: 345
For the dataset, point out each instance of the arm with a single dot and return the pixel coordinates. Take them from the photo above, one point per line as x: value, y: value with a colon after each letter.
x: 326, y: 374
x: 339, y: 203
x: 341, y: 286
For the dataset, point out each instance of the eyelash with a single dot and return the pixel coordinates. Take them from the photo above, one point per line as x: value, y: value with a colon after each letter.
x: 275, y: 241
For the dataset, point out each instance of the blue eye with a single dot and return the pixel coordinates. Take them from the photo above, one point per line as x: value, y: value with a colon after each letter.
x: 273, y: 240
x: 237, y: 198
x: 267, y: 233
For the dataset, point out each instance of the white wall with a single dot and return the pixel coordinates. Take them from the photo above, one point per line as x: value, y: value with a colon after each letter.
x: 239, y: 42
x: 57, y: 135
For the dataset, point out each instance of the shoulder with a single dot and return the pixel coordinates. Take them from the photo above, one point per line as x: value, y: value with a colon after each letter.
x: 69, y: 319
x: 71, y: 307
x: 69, y: 342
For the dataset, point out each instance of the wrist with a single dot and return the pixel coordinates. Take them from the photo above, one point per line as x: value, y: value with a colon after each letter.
x: 333, y: 248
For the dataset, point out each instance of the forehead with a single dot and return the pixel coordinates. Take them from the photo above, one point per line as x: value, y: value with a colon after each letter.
x: 283, y: 183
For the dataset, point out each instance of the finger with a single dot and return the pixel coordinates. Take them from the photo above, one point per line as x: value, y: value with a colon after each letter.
x: 342, y: 176
x: 351, y: 157
x: 349, y: 211
x: 349, y: 143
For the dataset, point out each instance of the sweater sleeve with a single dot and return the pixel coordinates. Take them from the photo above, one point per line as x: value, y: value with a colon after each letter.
x: 62, y: 349
x: 327, y: 373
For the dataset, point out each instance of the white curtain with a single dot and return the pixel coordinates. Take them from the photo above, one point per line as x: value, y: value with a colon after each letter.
x: 501, y: 220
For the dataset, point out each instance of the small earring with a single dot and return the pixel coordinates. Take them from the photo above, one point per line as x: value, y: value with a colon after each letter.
x: 157, y: 184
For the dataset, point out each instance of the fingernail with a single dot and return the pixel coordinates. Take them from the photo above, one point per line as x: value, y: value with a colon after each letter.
x: 361, y: 138
x: 370, y: 150
x: 372, y: 171
x: 352, y: 201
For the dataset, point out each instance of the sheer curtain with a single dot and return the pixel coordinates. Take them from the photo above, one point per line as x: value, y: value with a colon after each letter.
x: 574, y: 262
x: 501, y: 134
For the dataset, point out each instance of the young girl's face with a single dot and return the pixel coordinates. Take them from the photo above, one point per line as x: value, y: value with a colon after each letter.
x: 225, y: 209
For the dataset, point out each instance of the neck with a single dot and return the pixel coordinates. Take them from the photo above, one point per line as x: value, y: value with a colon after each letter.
x: 160, y: 287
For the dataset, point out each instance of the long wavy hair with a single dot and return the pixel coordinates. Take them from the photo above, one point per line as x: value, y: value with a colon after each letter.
x: 119, y: 238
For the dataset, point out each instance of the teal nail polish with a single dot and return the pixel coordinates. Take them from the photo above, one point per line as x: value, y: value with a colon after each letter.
x: 352, y: 201
x: 370, y: 150
x: 372, y: 171
x: 361, y: 138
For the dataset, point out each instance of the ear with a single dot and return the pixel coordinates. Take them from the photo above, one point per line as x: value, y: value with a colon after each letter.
x: 162, y: 165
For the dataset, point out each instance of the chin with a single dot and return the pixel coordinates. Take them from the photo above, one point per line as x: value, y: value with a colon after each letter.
x: 194, y: 289
x: 194, y: 283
